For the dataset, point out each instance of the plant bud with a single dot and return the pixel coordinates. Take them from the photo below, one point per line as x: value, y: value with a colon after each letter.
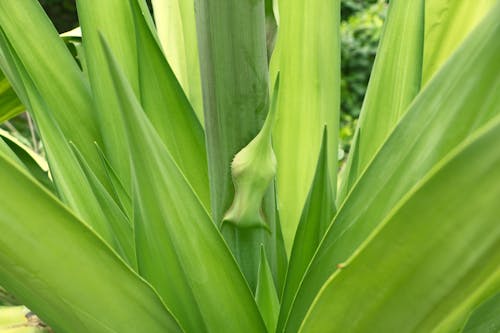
x: 253, y: 169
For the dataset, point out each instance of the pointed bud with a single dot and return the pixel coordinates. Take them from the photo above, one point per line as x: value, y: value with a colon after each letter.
x: 253, y: 170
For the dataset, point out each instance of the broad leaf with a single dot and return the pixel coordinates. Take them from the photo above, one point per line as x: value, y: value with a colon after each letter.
x: 461, y: 98
x: 447, y: 23
x: 434, y: 255
x: 486, y: 318
x: 63, y: 271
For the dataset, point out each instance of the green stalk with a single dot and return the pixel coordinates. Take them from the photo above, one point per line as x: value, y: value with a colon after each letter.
x: 233, y: 59
x: 234, y: 71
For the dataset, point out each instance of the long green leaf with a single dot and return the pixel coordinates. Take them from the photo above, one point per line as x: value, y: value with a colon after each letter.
x: 120, y: 224
x: 70, y: 181
x: 486, y: 318
x: 308, y: 60
x: 394, y: 281
x: 54, y: 73
x: 394, y: 82
x: 176, y: 25
x: 180, y: 250
x: 316, y: 217
x: 459, y: 100
x: 25, y: 156
x: 266, y: 295
x: 69, y: 276
x: 112, y: 19
x: 447, y: 23
x: 169, y: 110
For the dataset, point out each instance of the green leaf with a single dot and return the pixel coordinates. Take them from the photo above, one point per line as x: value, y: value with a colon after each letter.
x: 316, y: 217
x: 114, y: 20
x: 6, y: 150
x: 10, y: 105
x: 486, y: 318
x: 394, y: 281
x: 266, y: 296
x: 63, y: 271
x: 54, y: 74
x: 461, y: 98
x: 180, y: 250
x: 35, y: 164
x: 394, y: 82
x: 71, y: 183
x: 6, y: 298
x: 176, y: 25
x: 169, y: 110
x: 307, y: 57
x: 123, y: 197
x: 122, y: 227
x: 447, y: 23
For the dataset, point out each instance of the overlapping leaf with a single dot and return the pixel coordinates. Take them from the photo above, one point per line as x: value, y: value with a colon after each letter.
x: 316, y: 217
x: 486, y: 318
x: 307, y: 57
x: 176, y: 25
x: 459, y: 100
x: 394, y: 82
x: 63, y: 271
x: 70, y: 181
x: 447, y: 23
x: 55, y: 75
x: 180, y: 250
x: 435, y: 255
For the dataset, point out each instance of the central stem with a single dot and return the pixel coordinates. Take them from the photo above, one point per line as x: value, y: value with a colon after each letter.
x: 235, y: 82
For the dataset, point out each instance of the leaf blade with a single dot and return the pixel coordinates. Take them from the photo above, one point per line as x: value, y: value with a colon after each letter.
x: 434, y: 231
x: 394, y: 82
x: 172, y: 225
x: 309, y: 98
x: 394, y: 170
x: 176, y: 25
x: 48, y: 265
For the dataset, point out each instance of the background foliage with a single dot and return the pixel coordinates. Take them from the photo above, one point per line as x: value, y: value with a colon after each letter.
x: 361, y: 29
